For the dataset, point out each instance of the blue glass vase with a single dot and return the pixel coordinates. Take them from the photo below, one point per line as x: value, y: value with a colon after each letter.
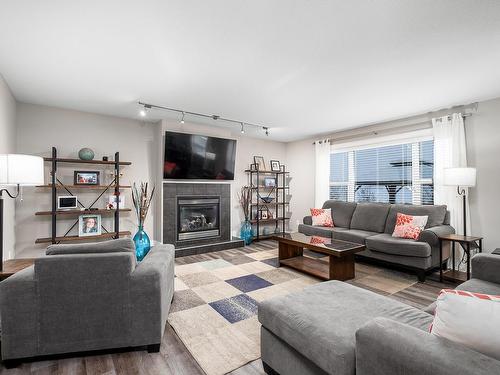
x: 142, y: 244
x: 246, y: 232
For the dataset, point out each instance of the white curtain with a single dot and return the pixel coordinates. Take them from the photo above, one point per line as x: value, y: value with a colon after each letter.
x: 450, y: 152
x: 322, y: 180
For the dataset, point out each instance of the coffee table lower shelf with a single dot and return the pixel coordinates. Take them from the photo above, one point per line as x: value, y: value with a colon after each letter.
x: 314, y: 267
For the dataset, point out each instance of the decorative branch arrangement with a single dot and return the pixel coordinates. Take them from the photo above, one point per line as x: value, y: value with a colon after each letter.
x: 245, y: 197
x: 142, y: 201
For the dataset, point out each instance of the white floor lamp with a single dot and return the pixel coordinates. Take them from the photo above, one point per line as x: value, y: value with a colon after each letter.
x: 461, y: 178
x: 17, y: 170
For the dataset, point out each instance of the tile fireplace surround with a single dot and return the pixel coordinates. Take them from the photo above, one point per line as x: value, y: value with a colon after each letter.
x: 175, y: 193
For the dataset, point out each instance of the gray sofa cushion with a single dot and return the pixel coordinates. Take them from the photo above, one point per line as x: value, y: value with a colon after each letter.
x: 436, y: 214
x: 354, y: 235
x: 321, y: 321
x: 341, y: 212
x: 370, y: 217
x: 312, y: 230
x: 385, y: 243
x: 112, y: 246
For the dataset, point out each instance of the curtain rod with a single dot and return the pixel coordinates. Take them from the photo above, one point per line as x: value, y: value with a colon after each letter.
x: 375, y: 132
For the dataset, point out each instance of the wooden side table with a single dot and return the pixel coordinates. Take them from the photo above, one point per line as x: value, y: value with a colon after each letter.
x: 10, y: 267
x: 468, y: 243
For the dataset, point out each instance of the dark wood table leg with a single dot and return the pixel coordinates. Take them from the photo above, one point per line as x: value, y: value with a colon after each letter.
x: 468, y: 260
x: 342, y: 268
x: 287, y: 251
x: 440, y: 261
x: 480, y: 246
x: 453, y: 255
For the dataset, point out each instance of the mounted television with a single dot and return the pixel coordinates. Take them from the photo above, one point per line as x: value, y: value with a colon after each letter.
x: 190, y: 156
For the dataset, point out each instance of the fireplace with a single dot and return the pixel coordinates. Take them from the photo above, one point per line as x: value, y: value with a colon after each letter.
x: 198, y: 217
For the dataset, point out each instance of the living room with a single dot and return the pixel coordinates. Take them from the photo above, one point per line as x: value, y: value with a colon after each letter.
x: 186, y: 192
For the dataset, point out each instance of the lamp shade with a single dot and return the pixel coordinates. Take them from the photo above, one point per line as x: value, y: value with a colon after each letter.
x: 464, y: 177
x: 24, y: 170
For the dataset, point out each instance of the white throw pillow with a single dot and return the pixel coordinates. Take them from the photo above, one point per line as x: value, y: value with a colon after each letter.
x: 472, y: 319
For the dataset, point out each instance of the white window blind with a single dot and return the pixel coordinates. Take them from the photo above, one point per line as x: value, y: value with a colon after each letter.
x: 396, y: 173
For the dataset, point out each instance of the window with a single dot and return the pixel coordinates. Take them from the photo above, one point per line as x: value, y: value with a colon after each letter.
x: 400, y: 173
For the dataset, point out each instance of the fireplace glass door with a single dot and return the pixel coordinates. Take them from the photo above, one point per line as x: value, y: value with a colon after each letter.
x: 198, y: 218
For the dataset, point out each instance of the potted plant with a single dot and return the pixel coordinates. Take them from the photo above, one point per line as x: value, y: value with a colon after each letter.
x: 245, y: 197
x: 142, y: 200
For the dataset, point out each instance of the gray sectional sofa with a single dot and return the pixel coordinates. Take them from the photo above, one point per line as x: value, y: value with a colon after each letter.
x: 87, y: 297
x: 372, y: 224
x: 337, y: 328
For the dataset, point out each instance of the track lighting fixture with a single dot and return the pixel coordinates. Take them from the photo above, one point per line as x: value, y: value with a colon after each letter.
x: 146, y: 106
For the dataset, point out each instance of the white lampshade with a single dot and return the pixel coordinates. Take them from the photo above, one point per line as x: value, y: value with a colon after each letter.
x: 24, y: 170
x: 464, y: 177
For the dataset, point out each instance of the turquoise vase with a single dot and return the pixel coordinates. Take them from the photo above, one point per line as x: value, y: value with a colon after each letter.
x: 246, y: 232
x: 142, y: 244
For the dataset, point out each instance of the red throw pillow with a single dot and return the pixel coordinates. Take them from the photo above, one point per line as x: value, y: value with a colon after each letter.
x: 322, y: 217
x: 408, y: 226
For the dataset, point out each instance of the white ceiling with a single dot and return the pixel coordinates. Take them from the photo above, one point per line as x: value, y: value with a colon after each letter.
x: 300, y: 67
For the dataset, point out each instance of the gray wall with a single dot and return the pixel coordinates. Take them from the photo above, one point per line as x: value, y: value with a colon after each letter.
x: 483, y: 153
x: 8, y: 145
x: 41, y: 127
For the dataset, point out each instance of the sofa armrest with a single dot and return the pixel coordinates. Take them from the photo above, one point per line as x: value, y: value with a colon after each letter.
x: 151, y: 291
x: 385, y: 346
x: 486, y: 267
x: 307, y: 220
x: 431, y: 235
x: 19, y: 312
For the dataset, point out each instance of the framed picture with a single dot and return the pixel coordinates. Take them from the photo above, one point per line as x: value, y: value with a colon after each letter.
x: 112, y: 202
x: 67, y: 202
x: 263, y: 215
x: 89, y: 225
x: 86, y: 178
x: 259, y: 163
x: 269, y: 182
x: 275, y: 166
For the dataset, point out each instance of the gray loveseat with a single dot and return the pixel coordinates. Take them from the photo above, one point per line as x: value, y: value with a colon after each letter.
x: 372, y: 224
x: 87, y: 297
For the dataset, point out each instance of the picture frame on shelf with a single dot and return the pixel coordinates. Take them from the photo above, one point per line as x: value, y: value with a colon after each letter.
x: 263, y: 215
x: 86, y: 178
x: 275, y: 165
x: 260, y: 163
x: 112, y: 202
x: 67, y: 202
x: 89, y: 225
x: 270, y: 182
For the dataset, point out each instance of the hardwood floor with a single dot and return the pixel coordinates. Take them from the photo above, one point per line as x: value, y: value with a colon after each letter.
x: 173, y: 357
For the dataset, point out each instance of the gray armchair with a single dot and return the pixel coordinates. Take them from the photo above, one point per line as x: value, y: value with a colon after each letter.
x: 87, y: 297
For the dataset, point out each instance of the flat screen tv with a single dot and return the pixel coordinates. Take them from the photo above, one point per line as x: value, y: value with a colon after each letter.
x: 190, y: 156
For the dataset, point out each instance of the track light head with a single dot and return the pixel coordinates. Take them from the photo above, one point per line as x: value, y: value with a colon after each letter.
x: 144, y: 111
x: 183, y: 114
x: 242, y: 129
x: 267, y: 130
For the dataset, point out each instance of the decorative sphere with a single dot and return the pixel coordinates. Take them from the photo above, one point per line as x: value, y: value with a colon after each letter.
x: 86, y: 154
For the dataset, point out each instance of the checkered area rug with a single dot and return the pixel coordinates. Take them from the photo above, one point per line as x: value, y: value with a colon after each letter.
x: 214, y: 311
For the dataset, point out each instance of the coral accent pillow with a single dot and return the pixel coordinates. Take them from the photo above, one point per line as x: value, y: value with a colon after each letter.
x: 408, y: 226
x: 322, y: 217
x: 471, y: 319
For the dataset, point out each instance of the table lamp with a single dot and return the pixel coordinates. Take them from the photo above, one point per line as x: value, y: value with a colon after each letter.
x: 17, y: 170
x: 461, y: 178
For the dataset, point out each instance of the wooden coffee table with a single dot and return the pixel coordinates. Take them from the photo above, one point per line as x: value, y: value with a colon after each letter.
x: 340, y: 253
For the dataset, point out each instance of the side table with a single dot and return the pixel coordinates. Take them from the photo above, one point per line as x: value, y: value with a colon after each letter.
x: 468, y: 243
x: 12, y: 266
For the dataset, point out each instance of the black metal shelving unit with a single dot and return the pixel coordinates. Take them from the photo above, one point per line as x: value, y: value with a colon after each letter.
x: 56, y: 184
x: 279, y: 205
